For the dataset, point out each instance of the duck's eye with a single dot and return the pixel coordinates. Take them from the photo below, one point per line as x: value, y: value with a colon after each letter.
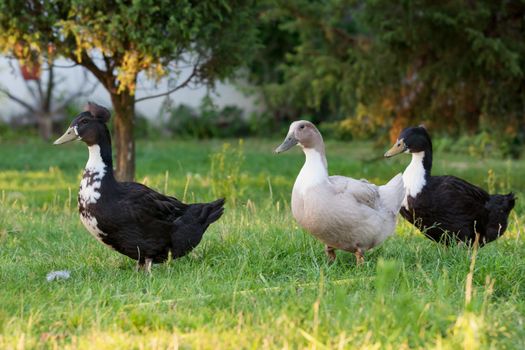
x: 83, y: 121
x: 302, y: 126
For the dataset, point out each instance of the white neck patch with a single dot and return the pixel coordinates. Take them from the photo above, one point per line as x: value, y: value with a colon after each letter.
x: 90, y: 190
x: 95, y: 162
x: 414, y: 177
x: 92, y: 178
x: 313, y: 171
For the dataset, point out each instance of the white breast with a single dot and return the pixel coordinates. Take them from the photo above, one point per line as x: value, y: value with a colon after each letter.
x: 91, y: 181
x: 91, y: 224
x: 414, y: 177
x: 89, y: 192
x: 312, y: 173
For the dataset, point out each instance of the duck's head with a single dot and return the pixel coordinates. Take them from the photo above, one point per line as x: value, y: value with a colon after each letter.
x: 302, y: 133
x: 89, y: 126
x: 414, y: 139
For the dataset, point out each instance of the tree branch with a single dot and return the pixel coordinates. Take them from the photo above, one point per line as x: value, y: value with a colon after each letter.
x: 49, y: 89
x: 65, y: 67
x: 60, y: 80
x: 100, y: 74
x: 41, y: 95
x: 178, y: 87
x: 109, y: 65
x: 79, y: 93
x: 18, y: 100
x: 30, y: 89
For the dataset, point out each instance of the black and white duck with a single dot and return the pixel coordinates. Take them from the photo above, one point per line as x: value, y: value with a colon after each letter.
x: 129, y: 217
x: 447, y: 208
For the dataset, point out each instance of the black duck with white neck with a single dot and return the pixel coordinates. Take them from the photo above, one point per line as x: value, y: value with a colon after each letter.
x: 447, y: 208
x: 127, y: 216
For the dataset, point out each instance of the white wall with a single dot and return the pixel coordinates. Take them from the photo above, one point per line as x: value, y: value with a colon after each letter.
x: 224, y: 94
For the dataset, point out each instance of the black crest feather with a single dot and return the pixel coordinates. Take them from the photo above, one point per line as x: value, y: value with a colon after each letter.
x: 98, y: 111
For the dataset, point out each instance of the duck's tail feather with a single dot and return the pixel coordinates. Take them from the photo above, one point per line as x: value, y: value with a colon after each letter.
x: 393, y: 193
x: 212, y: 212
x: 190, y: 227
x: 499, y: 207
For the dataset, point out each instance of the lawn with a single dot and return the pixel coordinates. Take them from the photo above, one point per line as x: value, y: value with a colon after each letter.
x: 256, y: 280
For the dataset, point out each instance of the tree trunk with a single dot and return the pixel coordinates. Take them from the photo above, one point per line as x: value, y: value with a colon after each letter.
x: 45, y: 126
x: 123, y: 122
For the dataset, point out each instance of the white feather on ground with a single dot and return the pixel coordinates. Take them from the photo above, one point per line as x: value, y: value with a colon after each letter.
x: 58, y: 275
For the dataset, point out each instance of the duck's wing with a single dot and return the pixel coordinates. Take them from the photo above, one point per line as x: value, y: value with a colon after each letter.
x: 362, y: 191
x: 145, y: 204
x: 450, y: 202
x: 450, y: 187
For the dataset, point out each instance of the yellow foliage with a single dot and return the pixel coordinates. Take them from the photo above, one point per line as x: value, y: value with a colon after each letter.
x: 127, y: 73
x: 133, y: 61
x: 24, y: 46
x: 367, y: 120
x: 132, y: 64
x: 469, y: 328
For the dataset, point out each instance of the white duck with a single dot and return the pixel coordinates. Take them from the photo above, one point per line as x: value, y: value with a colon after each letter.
x: 343, y: 213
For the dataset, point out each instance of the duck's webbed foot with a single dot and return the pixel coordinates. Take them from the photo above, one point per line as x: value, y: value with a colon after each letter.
x: 330, y: 253
x: 359, y: 256
x: 145, y: 265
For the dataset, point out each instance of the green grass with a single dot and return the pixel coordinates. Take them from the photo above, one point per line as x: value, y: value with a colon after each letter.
x: 256, y: 280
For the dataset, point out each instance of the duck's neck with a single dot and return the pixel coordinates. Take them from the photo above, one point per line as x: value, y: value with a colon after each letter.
x: 100, y: 160
x: 314, y: 170
x: 417, y: 173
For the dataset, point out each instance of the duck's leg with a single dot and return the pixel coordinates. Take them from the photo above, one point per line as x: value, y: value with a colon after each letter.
x: 360, y: 258
x: 140, y: 261
x: 147, y: 267
x: 330, y: 253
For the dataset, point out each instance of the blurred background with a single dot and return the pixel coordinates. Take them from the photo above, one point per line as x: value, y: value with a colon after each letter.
x: 359, y: 69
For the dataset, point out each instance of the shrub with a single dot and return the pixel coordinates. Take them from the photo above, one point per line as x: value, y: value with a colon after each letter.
x: 10, y: 132
x: 145, y: 128
x: 482, y: 144
x: 208, y: 121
